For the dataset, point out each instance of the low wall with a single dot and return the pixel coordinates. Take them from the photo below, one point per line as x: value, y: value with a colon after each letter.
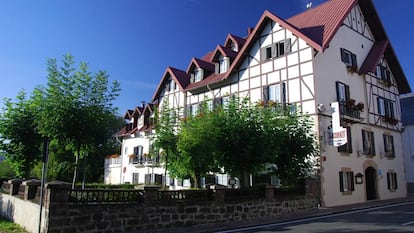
x: 97, y: 210
x: 24, y: 213
x: 136, y: 218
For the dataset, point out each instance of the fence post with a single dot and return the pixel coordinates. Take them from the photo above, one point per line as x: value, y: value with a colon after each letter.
x: 56, y: 203
x: 312, y: 188
x: 30, y: 188
x: 151, y: 194
x: 270, y: 192
x: 14, y: 186
x: 219, y: 193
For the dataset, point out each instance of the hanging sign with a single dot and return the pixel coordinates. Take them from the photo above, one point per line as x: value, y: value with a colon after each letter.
x: 339, y: 133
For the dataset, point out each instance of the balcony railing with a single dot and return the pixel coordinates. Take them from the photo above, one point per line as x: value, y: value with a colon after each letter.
x: 351, y: 111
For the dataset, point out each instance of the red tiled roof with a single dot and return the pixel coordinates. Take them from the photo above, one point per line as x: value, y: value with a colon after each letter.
x: 138, y: 111
x: 214, y: 78
x: 225, y: 51
x: 128, y: 114
x: 125, y: 132
x: 232, y: 38
x: 373, y: 57
x: 322, y: 22
x: 180, y: 77
x: 317, y: 27
x: 201, y: 63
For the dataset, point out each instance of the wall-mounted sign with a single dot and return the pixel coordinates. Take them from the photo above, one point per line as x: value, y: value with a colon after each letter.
x: 359, y: 178
x: 339, y: 132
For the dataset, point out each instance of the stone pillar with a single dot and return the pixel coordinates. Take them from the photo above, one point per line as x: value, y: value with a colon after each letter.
x: 151, y: 194
x: 219, y: 193
x: 270, y: 192
x: 57, y: 194
x: 56, y: 205
x: 312, y: 188
x: 30, y: 188
x: 14, y: 186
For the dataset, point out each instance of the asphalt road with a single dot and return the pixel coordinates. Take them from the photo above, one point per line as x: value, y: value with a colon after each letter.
x: 385, y: 219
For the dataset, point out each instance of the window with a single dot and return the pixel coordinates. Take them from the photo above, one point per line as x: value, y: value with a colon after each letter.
x: 388, y: 146
x: 194, y: 109
x: 223, y: 64
x: 346, y: 181
x: 223, y: 101
x: 385, y: 107
x: 383, y: 73
x: 342, y: 92
x: 368, y: 146
x: 347, y: 148
x: 348, y: 58
x: 138, y: 155
x: 197, y: 75
x: 234, y: 47
x: 135, y: 177
x: 392, y: 181
x: 172, y: 85
x: 275, y: 93
x: 275, y: 50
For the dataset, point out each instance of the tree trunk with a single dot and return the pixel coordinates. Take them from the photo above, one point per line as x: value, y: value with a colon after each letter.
x: 245, y: 180
x: 75, y: 170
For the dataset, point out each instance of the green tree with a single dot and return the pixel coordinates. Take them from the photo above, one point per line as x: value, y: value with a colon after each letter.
x: 242, y: 139
x: 20, y: 142
x: 295, y: 147
x: 75, y: 108
x: 197, y: 144
x: 165, y: 140
x: 6, y: 171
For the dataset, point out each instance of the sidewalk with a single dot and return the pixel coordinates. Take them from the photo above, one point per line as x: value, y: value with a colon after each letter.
x: 207, y: 228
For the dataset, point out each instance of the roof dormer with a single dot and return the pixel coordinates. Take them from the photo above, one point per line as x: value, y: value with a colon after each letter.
x: 234, y: 43
x: 199, y: 69
x: 172, y: 80
x: 222, y: 58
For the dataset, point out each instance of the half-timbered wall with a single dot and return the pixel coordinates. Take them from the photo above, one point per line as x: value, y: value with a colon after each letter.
x: 295, y: 69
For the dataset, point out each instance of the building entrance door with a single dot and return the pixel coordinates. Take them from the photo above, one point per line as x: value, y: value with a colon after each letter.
x: 371, y: 183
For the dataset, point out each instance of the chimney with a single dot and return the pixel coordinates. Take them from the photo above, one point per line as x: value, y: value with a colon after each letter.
x: 143, y: 104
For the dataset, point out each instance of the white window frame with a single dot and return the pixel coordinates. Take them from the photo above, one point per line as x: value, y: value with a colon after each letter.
x: 198, y: 74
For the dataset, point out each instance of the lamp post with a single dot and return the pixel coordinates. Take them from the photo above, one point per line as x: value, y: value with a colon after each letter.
x: 44, y: 172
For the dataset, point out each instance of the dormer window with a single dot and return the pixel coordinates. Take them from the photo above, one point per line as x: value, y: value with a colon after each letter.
x: 197, y: 75
x: 223, y: 64
x: 234, y: 47
x: 172, y: 85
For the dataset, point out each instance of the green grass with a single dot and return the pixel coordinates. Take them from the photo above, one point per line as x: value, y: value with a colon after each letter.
x: 9, y: 227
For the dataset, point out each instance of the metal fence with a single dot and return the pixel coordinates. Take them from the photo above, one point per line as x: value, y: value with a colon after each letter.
x: 185, y: 195
x: 95, y: 196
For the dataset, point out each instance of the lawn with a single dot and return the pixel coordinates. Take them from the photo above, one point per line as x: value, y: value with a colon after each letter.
x: 9, y: 227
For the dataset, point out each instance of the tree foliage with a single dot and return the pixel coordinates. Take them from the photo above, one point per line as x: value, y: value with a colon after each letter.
x: 197, y: 145
x: 75, y: 108
x: 242, y: 139
x: 19, y: 139
x: 74, y: 111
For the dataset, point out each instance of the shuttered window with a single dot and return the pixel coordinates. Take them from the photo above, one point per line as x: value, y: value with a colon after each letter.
x: 392, y: 181
x: 275, y: 50
x: 346, y: 181
x: 348, y: 58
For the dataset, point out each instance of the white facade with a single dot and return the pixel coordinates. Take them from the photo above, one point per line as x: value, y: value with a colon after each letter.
x: 281, y: 63
x: 407, y: 105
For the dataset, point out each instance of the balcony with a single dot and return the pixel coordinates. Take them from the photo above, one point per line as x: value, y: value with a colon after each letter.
x: 351, y: 112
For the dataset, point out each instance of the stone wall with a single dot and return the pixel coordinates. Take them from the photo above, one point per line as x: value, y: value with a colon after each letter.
x: 64, y: 214
x: 141, y: 218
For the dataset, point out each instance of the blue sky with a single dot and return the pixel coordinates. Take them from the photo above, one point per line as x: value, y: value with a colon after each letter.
x: 136, y: 40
